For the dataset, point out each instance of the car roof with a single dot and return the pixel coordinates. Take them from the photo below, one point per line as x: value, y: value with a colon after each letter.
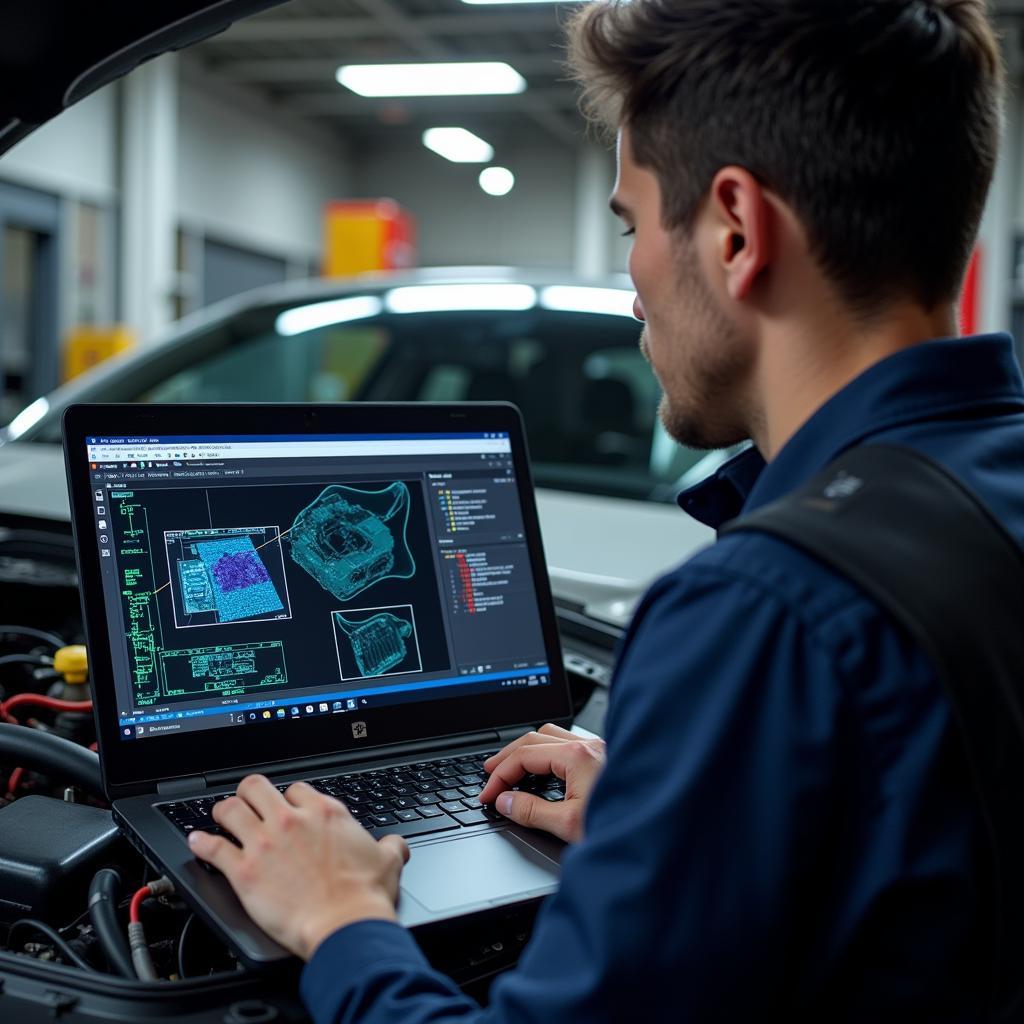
x: 54, y: 53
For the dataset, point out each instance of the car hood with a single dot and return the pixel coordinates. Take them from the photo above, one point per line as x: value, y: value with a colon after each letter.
x: 602, y: 553
x: 54, y: 53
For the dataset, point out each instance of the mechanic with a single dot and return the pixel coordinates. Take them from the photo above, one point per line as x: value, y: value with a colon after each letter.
x: 784, y: 824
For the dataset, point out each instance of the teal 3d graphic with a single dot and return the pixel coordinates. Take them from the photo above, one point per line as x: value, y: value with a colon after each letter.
x: 196, y: 588
x: 378, y: 643
x: 348, y: 538
x: 228, y: 577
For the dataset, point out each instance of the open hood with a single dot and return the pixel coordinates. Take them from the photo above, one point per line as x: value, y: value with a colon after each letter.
x: 53, y: 53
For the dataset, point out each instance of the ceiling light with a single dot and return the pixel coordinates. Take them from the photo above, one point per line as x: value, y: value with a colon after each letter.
x: 462, y: 79
x: 458, y: 145
x: 497, y: 181
x: 573, y: 299
x: 325, y: 314
x: 516, y: 1
x: 443, y: 298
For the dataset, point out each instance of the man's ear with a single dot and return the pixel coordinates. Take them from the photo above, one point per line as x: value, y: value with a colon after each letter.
x: 743, y: 226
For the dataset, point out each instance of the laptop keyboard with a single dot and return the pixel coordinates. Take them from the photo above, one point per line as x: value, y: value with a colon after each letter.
x: 406, y: 800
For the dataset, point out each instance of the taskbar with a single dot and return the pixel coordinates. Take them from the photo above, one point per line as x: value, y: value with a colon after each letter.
x: 292, y: 707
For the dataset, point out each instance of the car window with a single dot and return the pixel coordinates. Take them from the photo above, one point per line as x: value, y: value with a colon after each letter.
x: 328, y: 365
x: 588, y: 397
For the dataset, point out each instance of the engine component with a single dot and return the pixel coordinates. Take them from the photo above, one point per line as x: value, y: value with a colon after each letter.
x: 142, y: 959
x: 49, y: 851
x: 52, y: 755
x: 72, y: 663
x: 103, y: 895
x: 378, y: 643
x: 348, y: 539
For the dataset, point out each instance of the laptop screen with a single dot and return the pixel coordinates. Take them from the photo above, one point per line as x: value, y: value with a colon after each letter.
x: 252, y: 580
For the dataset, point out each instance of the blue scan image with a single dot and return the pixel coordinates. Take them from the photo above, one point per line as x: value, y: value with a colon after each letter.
x: 378, y: 643
x: 348, y: 539
x: 242, y: 587
x: 196, y: 588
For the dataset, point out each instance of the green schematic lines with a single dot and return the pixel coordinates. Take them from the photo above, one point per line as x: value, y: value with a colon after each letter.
x: 347, y: 539
x: 145, y: 628
x: 226, y: 670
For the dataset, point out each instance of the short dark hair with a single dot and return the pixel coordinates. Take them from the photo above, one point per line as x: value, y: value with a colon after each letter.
x: 877, y: 121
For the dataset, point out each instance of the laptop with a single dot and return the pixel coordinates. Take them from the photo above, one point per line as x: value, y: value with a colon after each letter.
x: 353, y: 595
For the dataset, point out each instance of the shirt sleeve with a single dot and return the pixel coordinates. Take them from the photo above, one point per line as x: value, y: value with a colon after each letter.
x: 710, y: 810
x: 374, y: 971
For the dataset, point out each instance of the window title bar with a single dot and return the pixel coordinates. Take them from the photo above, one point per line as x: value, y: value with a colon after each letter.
x: 302, y: 446
x: 181, y: 439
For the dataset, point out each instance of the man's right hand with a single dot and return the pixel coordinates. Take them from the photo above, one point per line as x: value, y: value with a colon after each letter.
x: 549, y: 751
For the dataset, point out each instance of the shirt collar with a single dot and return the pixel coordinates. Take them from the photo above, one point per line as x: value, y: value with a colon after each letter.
x: 935, y: 378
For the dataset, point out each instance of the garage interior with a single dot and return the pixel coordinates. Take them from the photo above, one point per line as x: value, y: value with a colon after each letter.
x: 157, y: 237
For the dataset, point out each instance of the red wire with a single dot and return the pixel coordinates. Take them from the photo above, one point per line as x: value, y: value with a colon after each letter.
x: 39, y: 700
x: 136, y: 904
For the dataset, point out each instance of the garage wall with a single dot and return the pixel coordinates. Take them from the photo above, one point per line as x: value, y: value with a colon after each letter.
x: 73, y: 161
x: 459, y: 224
x: 74, y: 155
x: 249, y: 178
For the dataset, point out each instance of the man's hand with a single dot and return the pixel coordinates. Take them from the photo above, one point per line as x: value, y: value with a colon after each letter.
x: 549, y: 751
x: 306, y: 867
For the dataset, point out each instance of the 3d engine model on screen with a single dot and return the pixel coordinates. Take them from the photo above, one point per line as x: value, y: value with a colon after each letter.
x: 348, y: 539
x: 378, y: 643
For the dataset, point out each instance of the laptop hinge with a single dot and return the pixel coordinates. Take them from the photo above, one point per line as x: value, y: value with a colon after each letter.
x: 309, y: 765
x: 184, y: 784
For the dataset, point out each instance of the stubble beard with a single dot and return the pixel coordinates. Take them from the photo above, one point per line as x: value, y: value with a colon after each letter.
x: 702, y: 386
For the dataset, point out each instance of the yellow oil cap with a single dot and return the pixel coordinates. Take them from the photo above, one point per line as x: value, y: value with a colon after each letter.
x: 72, y: 663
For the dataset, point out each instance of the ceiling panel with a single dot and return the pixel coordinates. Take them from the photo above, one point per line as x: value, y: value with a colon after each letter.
x: 291, y: 53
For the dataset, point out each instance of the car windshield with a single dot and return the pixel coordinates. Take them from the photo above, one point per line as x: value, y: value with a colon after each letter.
x: 588, y: 397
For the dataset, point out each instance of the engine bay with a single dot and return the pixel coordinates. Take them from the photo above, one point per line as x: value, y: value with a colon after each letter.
x: 86, y: 926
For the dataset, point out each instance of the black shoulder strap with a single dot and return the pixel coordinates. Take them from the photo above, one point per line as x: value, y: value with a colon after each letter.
x: 931, y: 555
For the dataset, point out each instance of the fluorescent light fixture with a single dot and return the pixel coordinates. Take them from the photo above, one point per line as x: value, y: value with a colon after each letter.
x: 325, y: 314
x: 574, y: 299
x: 458, y: 145
x: 27, y: 418
x: 483, y: 2
x: 465, y: 78
x: 497, y: 181
x: 444, y: 297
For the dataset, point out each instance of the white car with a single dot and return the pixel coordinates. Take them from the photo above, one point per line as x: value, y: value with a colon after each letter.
x: 564, y: 351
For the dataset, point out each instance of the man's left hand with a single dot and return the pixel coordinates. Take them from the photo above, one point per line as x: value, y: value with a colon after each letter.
x: 306, y: 867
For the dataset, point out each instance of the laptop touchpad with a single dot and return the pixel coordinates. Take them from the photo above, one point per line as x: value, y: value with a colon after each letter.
x: 477, y: 869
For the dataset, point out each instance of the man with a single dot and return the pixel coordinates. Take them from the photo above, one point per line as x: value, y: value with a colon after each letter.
x: 784, y: 825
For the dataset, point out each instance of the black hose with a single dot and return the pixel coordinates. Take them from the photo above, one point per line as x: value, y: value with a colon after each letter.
x: 39, y: 660
x: 52, y: 755
x: 54, y: 939
x: 36, y: 634
x: 181, y: 946
x: 103, y: 896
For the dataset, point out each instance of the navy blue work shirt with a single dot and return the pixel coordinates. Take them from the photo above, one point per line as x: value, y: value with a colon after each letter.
x: 783, y: 826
